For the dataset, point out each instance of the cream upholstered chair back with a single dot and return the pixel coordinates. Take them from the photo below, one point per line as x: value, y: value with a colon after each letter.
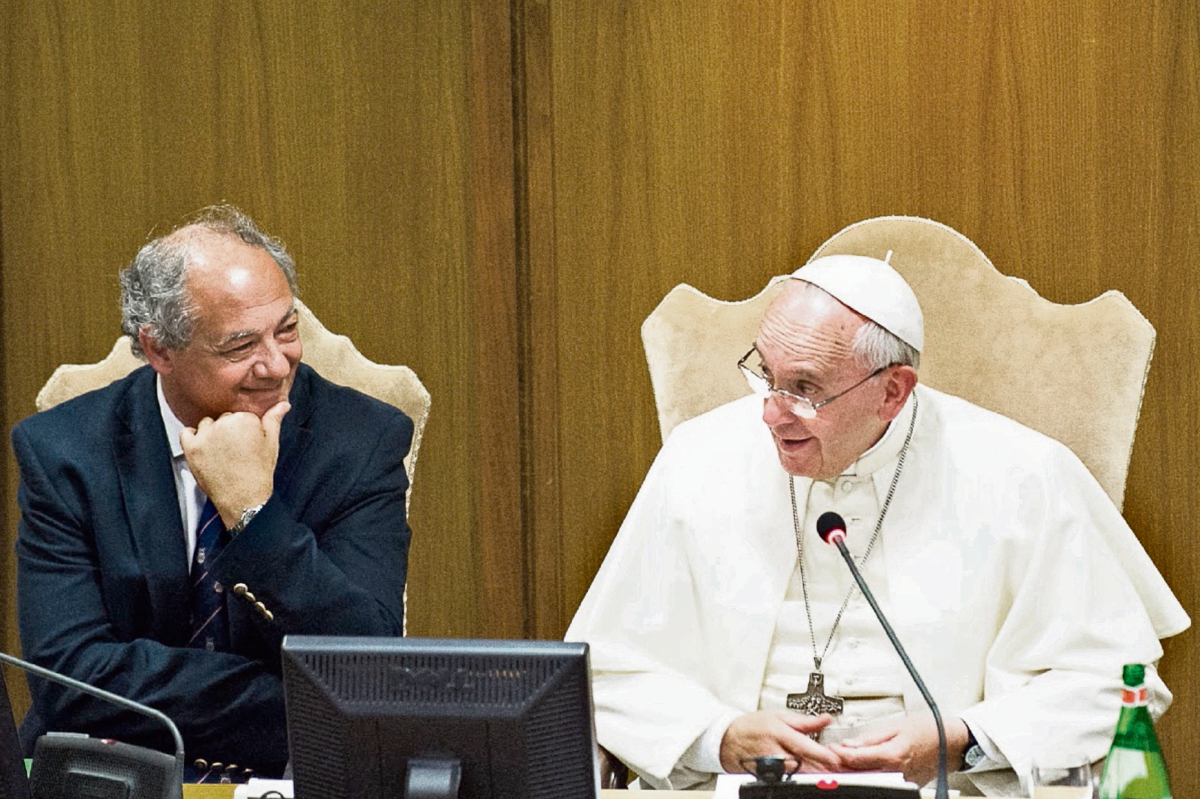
x: 1073, y: 372
x: 334, y: 356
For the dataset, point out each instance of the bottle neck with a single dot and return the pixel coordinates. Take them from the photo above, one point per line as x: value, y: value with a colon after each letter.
x: 1135, y: 696
x: 1135, y: 728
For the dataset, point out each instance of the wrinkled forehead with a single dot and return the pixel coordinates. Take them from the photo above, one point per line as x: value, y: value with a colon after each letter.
x: 804, y: 323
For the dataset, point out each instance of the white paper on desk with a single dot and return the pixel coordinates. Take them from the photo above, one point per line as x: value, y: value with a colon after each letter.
x: 257, y: 787
x: 728, y: 784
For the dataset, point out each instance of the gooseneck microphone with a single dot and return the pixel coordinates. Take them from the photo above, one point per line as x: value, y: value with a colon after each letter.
x: 175, y: 780
x: 832, y: 529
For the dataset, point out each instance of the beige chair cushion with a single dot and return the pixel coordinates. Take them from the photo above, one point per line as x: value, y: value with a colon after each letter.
x: 334, y: 356
x: 1073, y: 372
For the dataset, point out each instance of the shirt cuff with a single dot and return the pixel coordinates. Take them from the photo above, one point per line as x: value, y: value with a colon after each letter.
x: 705, y: 752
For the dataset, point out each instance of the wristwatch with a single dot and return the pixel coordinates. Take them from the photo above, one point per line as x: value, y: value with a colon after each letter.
x: 247, y: 515
x: 973, y: 755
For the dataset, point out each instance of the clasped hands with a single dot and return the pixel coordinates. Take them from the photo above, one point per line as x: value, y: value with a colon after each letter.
x: 907, y: 744
x: 233, y: 458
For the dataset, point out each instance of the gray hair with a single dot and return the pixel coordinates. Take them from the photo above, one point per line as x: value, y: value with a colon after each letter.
x: 154, y: 294
x: 877, y: 348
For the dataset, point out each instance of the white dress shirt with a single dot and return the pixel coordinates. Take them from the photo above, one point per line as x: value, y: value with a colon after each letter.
x: 191, y: 498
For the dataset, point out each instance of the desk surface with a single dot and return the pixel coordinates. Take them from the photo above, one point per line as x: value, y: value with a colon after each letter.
x: 226, y: 792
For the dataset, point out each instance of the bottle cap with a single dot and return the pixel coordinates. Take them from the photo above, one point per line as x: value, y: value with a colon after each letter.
x: 1134, y: 674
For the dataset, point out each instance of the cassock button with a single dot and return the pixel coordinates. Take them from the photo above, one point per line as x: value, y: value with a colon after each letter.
x: 240, y: 589
x: 201, y: 763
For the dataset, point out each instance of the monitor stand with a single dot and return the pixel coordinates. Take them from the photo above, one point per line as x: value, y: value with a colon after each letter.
x: 431, y: 778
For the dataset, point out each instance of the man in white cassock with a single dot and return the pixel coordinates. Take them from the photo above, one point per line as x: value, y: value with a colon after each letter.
x: 722, y: 628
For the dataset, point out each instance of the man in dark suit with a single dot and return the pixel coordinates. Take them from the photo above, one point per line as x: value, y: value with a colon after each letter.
x: 120, y: 585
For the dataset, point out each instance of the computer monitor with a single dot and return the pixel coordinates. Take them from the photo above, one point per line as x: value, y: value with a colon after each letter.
x: 370, y: 718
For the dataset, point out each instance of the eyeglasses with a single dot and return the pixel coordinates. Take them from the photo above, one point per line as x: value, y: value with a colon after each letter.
x: 800, y: 406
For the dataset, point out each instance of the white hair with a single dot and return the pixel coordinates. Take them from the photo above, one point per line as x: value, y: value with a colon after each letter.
x: 876, y: 348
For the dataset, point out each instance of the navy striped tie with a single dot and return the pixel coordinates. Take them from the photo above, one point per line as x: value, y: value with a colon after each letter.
x: 210, y: 622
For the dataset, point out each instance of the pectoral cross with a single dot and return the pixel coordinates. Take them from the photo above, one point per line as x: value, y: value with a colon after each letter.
x: 814, y: 702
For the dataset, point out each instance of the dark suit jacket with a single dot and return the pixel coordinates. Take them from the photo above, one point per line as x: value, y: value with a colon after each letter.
x: 102, y: 568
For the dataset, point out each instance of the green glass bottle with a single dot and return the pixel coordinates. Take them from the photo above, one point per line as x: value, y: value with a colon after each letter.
x: 1135, y: 767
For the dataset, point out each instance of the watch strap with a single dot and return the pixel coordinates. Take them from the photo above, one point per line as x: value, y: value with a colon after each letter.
x: 973, y: 753
x: 247, y: 516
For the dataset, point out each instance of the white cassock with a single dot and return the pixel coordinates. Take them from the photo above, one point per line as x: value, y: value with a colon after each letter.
x: 1010, y: 577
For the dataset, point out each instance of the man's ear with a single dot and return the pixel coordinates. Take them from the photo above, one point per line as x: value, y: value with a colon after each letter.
x: 158, y: 356
x: 899, y: 383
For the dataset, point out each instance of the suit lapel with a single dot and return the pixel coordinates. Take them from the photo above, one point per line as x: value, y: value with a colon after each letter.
x: 151, y: 505
x: 294, y: 435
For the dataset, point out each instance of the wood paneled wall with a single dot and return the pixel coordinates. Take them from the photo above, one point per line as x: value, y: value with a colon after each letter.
x: 497, y: 192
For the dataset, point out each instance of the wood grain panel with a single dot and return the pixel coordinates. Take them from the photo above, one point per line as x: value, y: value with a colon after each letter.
x: 546, y: 536
x: 500, y: 309
x: 1149, y: 198
x: 719, y: 144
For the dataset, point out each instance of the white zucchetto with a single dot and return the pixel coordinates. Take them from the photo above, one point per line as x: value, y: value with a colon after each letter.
x: 872, y: 288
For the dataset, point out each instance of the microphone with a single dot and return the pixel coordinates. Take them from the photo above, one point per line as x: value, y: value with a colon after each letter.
x: 832, y: 529
x: 146, y: 761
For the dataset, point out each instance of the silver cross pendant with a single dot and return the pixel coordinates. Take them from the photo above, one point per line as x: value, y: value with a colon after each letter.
x: 814, y: 702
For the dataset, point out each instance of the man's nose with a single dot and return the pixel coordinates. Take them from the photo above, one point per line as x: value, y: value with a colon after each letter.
x: 274, y: 362
x: 776, y: 410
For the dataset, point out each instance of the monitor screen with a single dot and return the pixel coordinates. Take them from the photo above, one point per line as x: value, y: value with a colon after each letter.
x: 476, y: 719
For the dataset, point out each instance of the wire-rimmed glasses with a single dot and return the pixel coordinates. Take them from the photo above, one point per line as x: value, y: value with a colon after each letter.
x: 799, y: 406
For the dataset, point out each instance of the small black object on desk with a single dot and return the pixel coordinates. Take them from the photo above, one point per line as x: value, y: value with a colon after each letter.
x: 773, y: 780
